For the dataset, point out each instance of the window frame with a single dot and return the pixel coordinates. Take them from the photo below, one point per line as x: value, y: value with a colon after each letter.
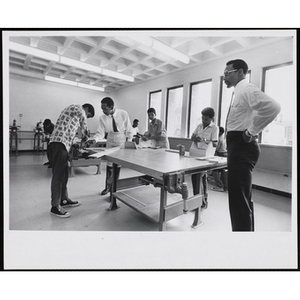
x: 167, y: 102
x: 190, y: 102
x: 263, y: 86
x: 150, y: 93
x: 265, y: 69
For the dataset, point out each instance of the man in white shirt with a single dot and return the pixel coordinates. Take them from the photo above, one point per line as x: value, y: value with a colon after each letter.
x: 250, y: 112
x: 116, y: 123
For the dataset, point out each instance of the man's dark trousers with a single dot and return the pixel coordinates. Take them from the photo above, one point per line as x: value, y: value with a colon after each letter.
x: 242, y: 157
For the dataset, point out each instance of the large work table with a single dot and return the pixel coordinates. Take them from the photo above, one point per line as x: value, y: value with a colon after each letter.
x: 160, y: 192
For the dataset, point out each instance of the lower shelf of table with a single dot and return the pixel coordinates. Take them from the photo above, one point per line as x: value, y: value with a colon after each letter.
x: 146, y: 200
x: 85, y: 163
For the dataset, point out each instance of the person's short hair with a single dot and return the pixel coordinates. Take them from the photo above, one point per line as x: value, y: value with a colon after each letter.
x: 151, y: 110
x: 108, y: 101
x: 209, y: 112
x: 221, y: 130
x: 238, y: 64
x: 135, y: 121
x: 47, y: 122
x: 90, y: 108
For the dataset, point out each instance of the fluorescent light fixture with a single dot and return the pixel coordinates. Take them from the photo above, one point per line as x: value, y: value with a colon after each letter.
x: 117, y: 75
x: 59, y: 80
x: 86, y: 86
x: 73, y: 83
x: 68, y: 61
x: 81, y: 65
x: 98, y: 70
x: 161, y: 47
x: 33, y: 51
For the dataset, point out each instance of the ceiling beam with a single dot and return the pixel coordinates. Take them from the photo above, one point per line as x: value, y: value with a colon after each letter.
x: 27, y: 62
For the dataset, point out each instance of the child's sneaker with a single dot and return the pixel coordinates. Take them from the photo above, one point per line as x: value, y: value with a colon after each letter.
x: 59, y: 212
x: 69, y: 202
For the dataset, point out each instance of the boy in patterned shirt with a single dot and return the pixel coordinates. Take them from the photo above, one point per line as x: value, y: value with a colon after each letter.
x: 70, y: 120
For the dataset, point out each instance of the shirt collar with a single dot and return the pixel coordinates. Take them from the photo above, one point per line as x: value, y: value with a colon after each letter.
x: 113, y: 114
x: 207, y: 125
x: 154, y: 122
x: 240, y: 85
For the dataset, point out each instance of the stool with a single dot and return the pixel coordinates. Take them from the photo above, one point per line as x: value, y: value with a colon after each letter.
x: 13, y: 138
x: 38, y: 141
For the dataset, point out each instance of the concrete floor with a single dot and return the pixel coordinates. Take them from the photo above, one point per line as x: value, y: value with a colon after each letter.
x: 29, y: 204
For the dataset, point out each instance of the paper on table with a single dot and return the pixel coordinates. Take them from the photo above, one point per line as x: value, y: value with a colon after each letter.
x: 96, y: 149
x: 105, y: 152
x: 205, y: 157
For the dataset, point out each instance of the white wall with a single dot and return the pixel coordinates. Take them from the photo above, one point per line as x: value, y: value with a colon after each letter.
x: 39, y: 99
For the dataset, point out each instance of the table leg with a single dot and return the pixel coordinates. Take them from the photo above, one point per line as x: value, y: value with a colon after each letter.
x: 113, y: 200
x: 71, y: 170
x: 99, y: 168
x: 163, y: 201
x: 197, y: 219
x: 197, y: 181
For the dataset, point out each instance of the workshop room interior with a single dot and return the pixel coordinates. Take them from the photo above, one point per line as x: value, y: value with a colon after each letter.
x: 178, y: 73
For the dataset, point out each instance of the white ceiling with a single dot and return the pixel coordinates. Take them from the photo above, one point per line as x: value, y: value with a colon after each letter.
x: 125, y: 53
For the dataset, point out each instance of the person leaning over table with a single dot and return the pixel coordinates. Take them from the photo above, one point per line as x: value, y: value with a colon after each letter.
x: 156, y: 130
x: 206, y: 133
x: 71, y: 119
x: 250, y: 112
x: 116, y: 123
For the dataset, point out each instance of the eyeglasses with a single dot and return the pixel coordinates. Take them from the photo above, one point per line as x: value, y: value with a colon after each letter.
x: 227, y: 72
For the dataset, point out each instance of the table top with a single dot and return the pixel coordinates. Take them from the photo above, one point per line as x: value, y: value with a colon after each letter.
x: 159, y: 162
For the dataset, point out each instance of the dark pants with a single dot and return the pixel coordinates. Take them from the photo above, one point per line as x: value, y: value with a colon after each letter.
x: 109, y: 176
x: 48, y: 152
x: 196, y: 182
x: 60, y: 175
x: 241, y: 160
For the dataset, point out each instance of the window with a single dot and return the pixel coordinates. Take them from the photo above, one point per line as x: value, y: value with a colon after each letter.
x: 278, y: 83
x: 155, y: 102
x: 226, y: 94
x: 200, y: 97
x: 174, y: 111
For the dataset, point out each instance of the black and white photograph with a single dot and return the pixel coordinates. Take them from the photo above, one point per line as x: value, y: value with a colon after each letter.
x: 150, y: 149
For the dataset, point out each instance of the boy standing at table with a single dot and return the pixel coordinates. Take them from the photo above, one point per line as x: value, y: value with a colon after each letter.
x: 204, y: 137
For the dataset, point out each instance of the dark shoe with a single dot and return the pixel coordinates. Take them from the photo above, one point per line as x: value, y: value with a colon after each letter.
x: 47, y: 163
x: 59, y: 212
x: 69, y: 202
x: 204, y: 205
x: 105, y: 191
